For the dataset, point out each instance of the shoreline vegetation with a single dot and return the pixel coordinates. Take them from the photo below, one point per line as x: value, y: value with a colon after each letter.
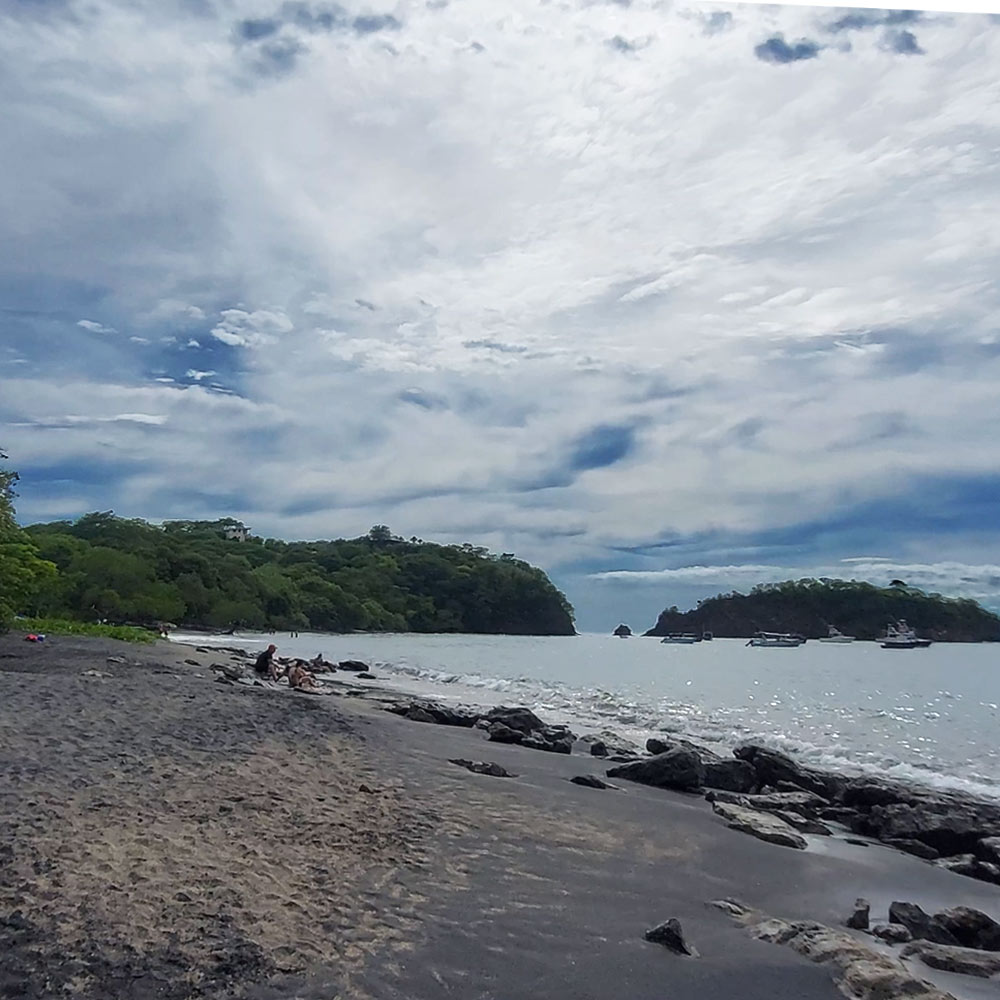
x: 365, y: 844
x: 809, y: 607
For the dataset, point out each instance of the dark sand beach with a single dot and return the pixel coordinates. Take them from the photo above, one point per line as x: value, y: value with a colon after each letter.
x: 165, y: 835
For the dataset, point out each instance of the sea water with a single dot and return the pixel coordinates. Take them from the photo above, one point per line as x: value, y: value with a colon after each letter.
x: 932, y: 715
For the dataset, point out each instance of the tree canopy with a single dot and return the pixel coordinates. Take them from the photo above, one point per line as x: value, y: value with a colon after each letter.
x: 190, y: 573
x: 857, y: 608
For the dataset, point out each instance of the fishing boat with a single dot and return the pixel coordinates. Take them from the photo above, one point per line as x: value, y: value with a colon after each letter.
x: 835, y: 635
x: 681, y: 639
x: 776, y: 640
x: 901, y: 636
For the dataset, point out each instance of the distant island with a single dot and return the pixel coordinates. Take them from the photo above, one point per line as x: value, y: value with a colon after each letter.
x: 810, y: 607
x: 215, y: 574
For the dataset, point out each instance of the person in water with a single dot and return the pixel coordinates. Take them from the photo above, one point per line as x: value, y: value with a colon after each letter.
x: 265, y: 665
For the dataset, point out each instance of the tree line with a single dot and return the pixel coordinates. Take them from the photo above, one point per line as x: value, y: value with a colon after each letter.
x: 855, y: 607
x: 127, y: 570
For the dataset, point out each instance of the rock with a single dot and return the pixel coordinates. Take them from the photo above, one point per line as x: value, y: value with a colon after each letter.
x: 921, y: 925
x: 837, y: 814
x: 366, y: 675
x: 970, y: 866
x: 730, y: 775
x: 988, y: 849
x: 858, y: 920
x: 419, y: 714
x: 500, y: 733
x: 762, y: 825
x: 678, y: 768
x: 671, y: 936
x: 354, y: 666
x: 892, y: 933
x: 193, y: 663
x: 915, y: 847
x: 231, y: 671
x: 949, y: 958
x: 523, y: 720
x: 971, y: 928
x: 443, y: 715
x: 553, y: 739
x: 598, y: 749
x: 482, y: 767
x: 366, y: 789
x: 802, y: 823
x: 722, y: 795
x: 773, y: 767
x: 856, y: 842
x: 949, y: 831
x: 591, y: 781
x: 608, y: 744
x: 804, y: 803
x: 863, y: 793
x: 624, y: 758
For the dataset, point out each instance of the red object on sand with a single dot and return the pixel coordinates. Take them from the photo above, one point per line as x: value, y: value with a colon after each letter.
x: 31, y: 637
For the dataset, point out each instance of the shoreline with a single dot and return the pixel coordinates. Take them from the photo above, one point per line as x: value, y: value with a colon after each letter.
x: 170, y: 836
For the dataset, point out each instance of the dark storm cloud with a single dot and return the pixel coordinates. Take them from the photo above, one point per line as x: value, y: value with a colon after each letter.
x: 861, y: 20
x: 777, y: 50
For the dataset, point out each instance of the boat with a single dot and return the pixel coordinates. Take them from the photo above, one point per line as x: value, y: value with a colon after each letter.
x: 681, y: 639
x: 901, y: 636
x: 835, y: 635
x: 777, y: 640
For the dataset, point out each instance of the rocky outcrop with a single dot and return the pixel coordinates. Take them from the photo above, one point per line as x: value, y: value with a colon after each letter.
x: 971, y: 928
x: 671, y: 936
x: 608, y: 744
x: 948, y: 958
x: 482, y: 767
x: 430, y: 711
x: 726, y: 773
x: 892, y: 933
x: 773, y: 767
x: 592, y: 781
x: 858, y: 920
x: 970, y: 866
x: 920, y: 924
x: 521, y: 719
x: 762, y: 825
x: 678, y: 769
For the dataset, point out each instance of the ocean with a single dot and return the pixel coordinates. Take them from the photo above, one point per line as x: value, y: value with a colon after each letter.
x: 931, y: 715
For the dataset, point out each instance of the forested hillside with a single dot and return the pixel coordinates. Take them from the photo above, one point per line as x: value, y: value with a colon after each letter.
x: 810, y: 606
x: 189, y: 573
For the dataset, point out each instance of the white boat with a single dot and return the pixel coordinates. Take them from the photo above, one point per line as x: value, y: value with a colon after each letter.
x: 679, y: 639
x: 901, y: 636
x: 776, y: 640
x: 836, y: 636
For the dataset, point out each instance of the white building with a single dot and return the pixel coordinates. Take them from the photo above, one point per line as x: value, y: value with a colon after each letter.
x: 236, y: 533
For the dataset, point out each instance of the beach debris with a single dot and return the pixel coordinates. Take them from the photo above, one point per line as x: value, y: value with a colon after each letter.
x: 862, y: 972
x: 858, y: 920
x: 482, y: 767
x: 678, y: 768
x: 762, y: 825
x: 920, y: 924
x: 592, y: 781
x: 892, y: 933
x: 949, y: 958
x: 116, y: 659
x: 671, y: 936
x: 971, y: 928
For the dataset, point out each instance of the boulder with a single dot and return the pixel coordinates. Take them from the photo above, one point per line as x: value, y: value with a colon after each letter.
x: 419, y: 714
x: 988, y: 849
x: 762, y: 825
x: 501, y: 733
x: 671, y: 936
x: 970, y: 866
x: 773, y: 767
x: 971, y: 928
x: 354, y: 666
x: 802, y: 823
x: 482, y: 767
x: 609, y: 744
x: 837, y: 814
x: 920, y: 924
x: 858, y: 920
x: 892, y: 933
x: 948, y: 828
x: 591, y: 781
x: 598, y: 748
x: 864, y: 793
x: 523, y: 720
x: 678, y: 768
x: 730, y: 775
x: 915, y: 847
x: 554, y: 739
x: 949, y: 958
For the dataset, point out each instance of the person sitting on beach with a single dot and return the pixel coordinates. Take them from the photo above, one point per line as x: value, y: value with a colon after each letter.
x: 299, y: 678
x: 265, y: 665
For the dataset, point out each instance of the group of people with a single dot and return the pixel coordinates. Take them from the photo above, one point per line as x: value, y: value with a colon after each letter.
x: 299, y: 677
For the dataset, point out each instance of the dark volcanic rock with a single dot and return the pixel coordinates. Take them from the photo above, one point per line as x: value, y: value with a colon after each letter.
x: 858, y: 920
x: 671, y: 936
x: 837, y: 814
x: 970, y: 866
x: 915, y: 847
x: 773, y: 767
x: 947, y: 827
x: 730, y: 775
x: 598, y: 748
x: 892, y: 933
x: 988, y: 849
x: 419, y: 714
x: 863, y: 793
x: 802, y: 823
x: 971, y: 928
x: 554, y: 739
x: 965, y: 961
x: 921, y: 925
x: 521, y: 719
x: 501, y: 733
x: 679, y: 768
x: 483, y: 767
x: 354, y: 666
x: 591, y: 781
x: 762, y: 825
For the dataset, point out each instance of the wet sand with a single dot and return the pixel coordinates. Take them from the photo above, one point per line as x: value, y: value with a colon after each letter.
x: 165, y: 835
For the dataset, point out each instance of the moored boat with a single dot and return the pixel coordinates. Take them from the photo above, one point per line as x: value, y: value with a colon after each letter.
x: 776, y: 640
x: 835, y: 635
x: 681, y: 638
x: 901, y: 636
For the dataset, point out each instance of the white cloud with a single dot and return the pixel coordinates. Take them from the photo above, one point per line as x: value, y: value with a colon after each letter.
x: 94, y: 327
x: 193, y: 373
x: 240, y: 328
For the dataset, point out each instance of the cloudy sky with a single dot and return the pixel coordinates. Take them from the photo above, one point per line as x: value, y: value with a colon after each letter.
x: 667, y: 298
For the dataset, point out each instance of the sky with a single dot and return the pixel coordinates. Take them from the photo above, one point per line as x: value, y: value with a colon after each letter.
x: 666, y: 298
